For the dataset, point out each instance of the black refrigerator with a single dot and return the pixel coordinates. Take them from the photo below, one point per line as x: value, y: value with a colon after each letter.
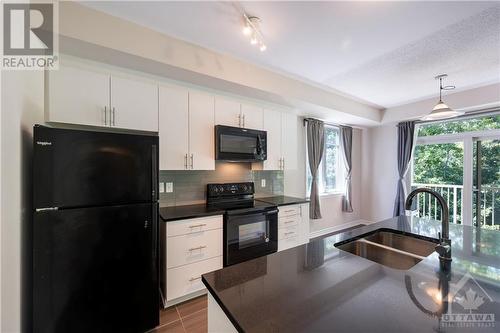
x: 95, y: 232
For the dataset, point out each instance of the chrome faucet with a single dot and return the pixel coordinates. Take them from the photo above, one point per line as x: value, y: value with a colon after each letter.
x: 444, y: 246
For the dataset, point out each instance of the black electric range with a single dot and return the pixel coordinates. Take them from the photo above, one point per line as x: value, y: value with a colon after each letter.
x: 250, y: 226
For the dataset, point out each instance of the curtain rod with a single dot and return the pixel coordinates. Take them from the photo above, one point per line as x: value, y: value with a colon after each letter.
x: 471, y: 114
x: 330, y: 124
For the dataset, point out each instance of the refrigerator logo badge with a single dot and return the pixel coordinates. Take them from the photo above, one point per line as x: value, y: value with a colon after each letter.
x: 44, y: 143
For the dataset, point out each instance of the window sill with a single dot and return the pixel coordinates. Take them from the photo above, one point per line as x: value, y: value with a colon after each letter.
x: 331, y: 194
x: 328, y: 195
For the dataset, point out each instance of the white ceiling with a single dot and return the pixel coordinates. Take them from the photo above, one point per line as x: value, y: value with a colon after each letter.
x: 384, y: 53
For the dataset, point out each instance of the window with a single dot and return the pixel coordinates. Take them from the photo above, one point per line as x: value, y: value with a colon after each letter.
x: 460, y: 160
x: 330, y: 172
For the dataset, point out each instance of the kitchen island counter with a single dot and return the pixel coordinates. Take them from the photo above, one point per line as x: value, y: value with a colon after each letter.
x: 319, y: 288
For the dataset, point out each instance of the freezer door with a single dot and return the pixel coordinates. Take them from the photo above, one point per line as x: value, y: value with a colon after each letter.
x: 96, y: 269
x: 75, y: 168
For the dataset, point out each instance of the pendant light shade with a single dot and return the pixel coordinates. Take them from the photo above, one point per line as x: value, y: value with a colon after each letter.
x: 441, y: 110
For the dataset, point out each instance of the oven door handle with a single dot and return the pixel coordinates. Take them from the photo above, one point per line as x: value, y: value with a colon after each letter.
x: 260, y: 212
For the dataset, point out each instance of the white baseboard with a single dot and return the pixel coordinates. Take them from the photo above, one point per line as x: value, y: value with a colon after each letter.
x: 329, y: 230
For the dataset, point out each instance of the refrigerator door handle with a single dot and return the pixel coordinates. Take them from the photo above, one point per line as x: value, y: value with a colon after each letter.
x: 154, y: 172
x: 155, y: 241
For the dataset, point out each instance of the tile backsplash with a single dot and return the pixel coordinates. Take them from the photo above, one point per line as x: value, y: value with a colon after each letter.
x: 189, y: 187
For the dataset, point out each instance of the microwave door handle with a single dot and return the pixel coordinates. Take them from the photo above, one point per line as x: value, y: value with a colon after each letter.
x: 259, y: 145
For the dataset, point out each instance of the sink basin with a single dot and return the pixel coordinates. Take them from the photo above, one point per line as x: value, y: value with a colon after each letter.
x: 389, y: 248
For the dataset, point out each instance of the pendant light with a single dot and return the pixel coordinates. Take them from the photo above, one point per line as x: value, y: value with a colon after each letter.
x: 441, y: 110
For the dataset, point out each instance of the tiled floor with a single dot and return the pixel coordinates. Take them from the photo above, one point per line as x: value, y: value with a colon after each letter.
x: 187, y: 317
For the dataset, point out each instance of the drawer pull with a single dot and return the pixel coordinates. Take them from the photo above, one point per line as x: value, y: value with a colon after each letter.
x: 289, y: 233
x: 194, y: 278
x: 289, y: 211
x: 286, y: 222
x: 197, y: 225
x: 197, y: 248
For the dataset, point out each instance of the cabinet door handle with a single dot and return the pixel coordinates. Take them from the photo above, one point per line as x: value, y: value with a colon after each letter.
x: 114, y: 116
x: 194, y: 278
x: 239, y: 119
x: 197, y: 248
x: 105, y: 115
x: 289, y: 233
x: 197, y: 225
x: 192, y: 161
x: 186, y: 161
x: 283, y: 164
x: 243, y: 120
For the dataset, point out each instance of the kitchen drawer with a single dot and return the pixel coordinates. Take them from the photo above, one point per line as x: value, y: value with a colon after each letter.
x: 289, y: 210
x: 289, y: 221
x: 186, y: 249
x: 288, y: 232
x: 186, y: 279
x: 191, y: 226
x: 287, y: 243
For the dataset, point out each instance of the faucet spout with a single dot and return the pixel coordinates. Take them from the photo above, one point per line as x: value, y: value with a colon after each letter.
x: 444, y: 246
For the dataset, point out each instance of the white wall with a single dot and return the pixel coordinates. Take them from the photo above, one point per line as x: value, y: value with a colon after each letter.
x: 22, y: 106
x: 380, y: 172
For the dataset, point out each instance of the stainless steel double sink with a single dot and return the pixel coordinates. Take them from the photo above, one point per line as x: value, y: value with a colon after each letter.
x: 390, y: 248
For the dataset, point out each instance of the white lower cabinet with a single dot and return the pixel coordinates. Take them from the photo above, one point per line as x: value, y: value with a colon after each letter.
x: 191, y: 247
x: 293, y: 226
x: 184, y: 280
x: 198, y: 246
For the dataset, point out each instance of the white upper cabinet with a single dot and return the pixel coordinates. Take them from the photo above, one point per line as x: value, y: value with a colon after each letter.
x: 227, y: 112
x: 201, y: 131
x: 173, y: 128
x: 187, y: 120
x: 272, y: 124
x: 289, y: 142
x: 77, y: 96
x: 252, y: 117
x: 134, y: 104
x: 97, y: 98
x: 281, y: 130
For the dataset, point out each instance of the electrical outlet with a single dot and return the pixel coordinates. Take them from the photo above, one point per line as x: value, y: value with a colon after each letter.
x: 263, y: 182
x: 169, y: 187
x: 162, y: 187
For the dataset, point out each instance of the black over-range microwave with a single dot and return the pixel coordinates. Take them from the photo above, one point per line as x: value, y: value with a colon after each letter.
x: 237, y: 144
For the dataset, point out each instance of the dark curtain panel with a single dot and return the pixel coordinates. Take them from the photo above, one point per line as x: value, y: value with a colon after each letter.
x: 346, y: 144
x: 406, y: 131
x: 315, y: 148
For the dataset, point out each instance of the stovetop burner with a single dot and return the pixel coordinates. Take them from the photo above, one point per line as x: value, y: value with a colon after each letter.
x: 235, y: 196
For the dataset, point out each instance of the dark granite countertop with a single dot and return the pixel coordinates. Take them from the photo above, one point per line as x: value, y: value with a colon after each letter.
x: 319, y: 288
x: 282, y: 200
x: 187, y: 212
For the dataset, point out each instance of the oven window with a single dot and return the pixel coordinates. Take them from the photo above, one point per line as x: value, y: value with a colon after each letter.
x: 252, y: 234
x: 238, y: 144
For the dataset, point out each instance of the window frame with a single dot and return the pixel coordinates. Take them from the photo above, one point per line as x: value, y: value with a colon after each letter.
x: 339, y: 169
